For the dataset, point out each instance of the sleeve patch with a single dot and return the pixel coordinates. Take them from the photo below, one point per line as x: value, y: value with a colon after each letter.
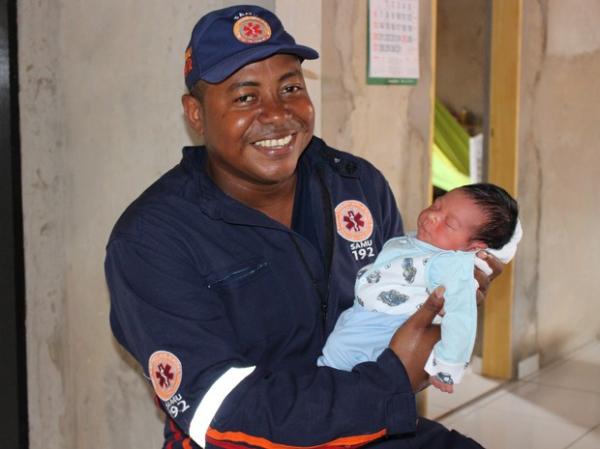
x: 165, y: 371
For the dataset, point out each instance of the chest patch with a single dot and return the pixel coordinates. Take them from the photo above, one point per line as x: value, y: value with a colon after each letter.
x: 353, y: 220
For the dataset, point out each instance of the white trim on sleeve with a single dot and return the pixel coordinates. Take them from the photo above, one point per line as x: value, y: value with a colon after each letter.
x: 213, y: 399
x: 436, y: 366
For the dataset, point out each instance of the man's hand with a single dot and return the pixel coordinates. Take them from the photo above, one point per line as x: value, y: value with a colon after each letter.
x: 414, y: 340
x: 483, y: 279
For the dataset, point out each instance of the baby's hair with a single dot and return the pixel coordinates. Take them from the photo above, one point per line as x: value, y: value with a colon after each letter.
x: 501, y: 210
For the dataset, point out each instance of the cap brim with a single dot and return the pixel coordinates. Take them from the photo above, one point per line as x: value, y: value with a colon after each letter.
x: 229, y: 66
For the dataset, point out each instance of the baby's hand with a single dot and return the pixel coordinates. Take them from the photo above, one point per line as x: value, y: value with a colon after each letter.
x: 439, y: 383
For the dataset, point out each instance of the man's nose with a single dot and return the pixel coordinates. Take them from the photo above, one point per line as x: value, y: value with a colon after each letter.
x: 273, y: 110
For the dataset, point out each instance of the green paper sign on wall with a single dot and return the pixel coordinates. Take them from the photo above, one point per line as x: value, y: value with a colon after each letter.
x: 393, y: 42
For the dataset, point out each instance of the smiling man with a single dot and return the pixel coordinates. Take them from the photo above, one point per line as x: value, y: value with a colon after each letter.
x: 227, y: 275
x: 256, y: 123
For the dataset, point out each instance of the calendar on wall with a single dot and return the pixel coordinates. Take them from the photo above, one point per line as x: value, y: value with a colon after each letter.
x: 393, y: 42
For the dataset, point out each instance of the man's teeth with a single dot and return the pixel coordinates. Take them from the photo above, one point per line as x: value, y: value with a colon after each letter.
x: 272, y: 143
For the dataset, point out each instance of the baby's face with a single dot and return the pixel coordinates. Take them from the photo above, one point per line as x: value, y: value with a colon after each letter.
x: 451, y: 222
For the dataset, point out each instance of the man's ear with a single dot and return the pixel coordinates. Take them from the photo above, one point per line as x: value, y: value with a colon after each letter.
x: 192, y: 108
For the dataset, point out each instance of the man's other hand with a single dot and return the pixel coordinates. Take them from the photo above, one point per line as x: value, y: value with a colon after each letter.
x: 414, y: 340
x: 484, y: 279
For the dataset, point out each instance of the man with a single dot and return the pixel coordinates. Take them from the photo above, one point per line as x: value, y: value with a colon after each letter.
x: 228, y: 273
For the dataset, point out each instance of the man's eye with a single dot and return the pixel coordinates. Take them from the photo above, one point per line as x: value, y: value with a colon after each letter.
x: 292, y: 89
x: 243, y: 99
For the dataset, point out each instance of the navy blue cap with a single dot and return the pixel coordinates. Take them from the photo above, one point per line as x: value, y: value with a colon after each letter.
x: 226, y: 40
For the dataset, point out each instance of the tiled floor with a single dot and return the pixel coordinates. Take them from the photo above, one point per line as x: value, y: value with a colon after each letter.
x: 555, y: 408
x: 473, y: 386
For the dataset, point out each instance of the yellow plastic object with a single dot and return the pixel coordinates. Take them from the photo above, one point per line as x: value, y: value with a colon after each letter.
x: 444, y: 174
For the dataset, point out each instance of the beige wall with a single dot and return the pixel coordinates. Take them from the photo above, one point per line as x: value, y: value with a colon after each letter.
x: 556, y: 305
x: 388, y: 125
x: 100, y: 86
x: 101, y: 118
x: 461, y: 56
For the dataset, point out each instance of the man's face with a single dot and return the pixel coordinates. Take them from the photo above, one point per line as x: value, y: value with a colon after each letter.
x: 256, y: 123
x: 451, y: 222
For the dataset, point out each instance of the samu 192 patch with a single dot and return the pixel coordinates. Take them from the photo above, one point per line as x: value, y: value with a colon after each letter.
x: 165, y: 371
x: 251, y: 30
x: 353, y: 220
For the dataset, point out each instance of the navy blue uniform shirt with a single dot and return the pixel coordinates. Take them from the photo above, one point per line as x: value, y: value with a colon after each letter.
x: 227, y: 310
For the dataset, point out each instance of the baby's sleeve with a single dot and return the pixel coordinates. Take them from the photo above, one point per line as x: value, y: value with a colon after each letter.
x: 450, y: 356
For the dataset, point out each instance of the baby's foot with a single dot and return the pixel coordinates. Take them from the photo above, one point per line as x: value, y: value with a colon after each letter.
x: 441, y: 383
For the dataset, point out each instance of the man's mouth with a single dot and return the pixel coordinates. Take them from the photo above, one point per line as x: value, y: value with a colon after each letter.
x: 274, y: 143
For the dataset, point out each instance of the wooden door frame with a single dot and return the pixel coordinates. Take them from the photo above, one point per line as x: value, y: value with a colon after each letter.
x: 502, y: 144
x: 502, y: 134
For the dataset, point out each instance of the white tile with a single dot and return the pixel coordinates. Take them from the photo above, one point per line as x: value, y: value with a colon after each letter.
x: 589, y: 353
x: 472, y: 387
x: 530, y: 399
x: 500, y: 429
x: 591, y: 440
x: 471, y: 407
x: 555, y: 408
x: 573, y: 374
x: 548, y: 367
x: 581, y: 371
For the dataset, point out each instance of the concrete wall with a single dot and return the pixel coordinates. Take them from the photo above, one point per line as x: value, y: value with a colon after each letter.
x: 388, y: 125
x: 101, y: 118
x: 461, y: 55
x: 556, y: 307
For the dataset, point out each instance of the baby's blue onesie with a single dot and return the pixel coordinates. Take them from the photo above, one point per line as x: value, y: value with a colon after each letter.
x: 391, y: 289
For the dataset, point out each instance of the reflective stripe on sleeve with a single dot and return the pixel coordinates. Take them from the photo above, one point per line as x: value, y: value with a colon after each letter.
x: 212, y: 401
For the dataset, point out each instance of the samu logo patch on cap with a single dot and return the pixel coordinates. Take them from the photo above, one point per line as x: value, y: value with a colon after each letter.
x: 251, y: 30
